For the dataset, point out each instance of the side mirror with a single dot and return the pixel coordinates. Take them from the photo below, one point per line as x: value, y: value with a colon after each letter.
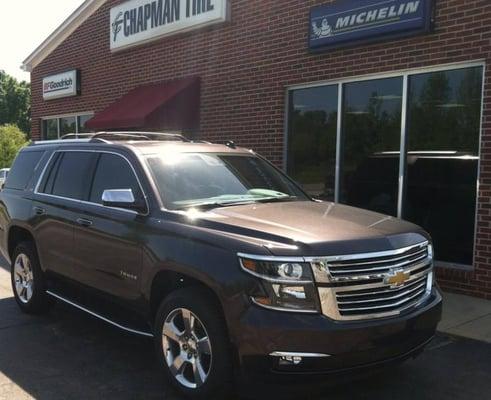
x: 121, y: 198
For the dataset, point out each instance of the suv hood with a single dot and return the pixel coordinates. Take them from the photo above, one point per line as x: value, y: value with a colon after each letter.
x: 314, y: 228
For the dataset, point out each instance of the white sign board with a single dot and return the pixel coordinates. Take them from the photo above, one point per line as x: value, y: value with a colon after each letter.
x: 139, y: 21
x: 60, y: 85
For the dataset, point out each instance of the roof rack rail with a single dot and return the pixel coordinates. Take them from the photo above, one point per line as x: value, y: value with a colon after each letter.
x: 113, y: 136
x: 70, y: 136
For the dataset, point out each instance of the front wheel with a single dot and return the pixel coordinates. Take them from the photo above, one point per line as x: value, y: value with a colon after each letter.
x: 193, y: 346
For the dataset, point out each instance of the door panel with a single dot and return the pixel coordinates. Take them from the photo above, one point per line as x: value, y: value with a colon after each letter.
x: 56, y: 206
x: 53, y: 228
x: 107, y: 241
x: 108, y: 250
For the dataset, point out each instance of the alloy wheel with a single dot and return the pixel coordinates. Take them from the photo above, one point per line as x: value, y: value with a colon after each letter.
x: 187, y: 348
x: 23, y: 278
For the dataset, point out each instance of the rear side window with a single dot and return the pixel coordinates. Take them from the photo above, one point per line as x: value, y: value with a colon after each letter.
x: 113, y: 172
x: 69, y: 175
x: 23, y: 169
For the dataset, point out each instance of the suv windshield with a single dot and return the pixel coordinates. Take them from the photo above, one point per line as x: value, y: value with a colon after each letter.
x: 207, y: 180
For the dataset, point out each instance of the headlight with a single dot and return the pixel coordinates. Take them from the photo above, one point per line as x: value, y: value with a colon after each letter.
x: 284, y: 286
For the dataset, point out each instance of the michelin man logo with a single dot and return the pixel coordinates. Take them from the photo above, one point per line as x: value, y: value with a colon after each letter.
x: 325, y: 30
x: 118, y: 21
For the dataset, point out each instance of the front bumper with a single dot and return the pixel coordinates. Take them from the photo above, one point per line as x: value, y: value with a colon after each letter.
x: 350, y: 345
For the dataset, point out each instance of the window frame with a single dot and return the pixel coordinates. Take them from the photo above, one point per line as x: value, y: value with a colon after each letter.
x: 405, y: 74
x: 49, y: 165
x: 59, y: 117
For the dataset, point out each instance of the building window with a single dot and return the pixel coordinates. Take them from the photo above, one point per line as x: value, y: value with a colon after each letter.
x: 55, y: 128
x: 434, y: 118
x: 312, y: 139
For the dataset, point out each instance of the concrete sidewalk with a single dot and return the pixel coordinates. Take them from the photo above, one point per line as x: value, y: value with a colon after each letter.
x: 466, y: 316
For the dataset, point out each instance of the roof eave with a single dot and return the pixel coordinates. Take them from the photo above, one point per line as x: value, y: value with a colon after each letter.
x: 86, y: 9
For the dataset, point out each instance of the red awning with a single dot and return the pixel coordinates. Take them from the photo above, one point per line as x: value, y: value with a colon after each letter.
x: 169, y: 105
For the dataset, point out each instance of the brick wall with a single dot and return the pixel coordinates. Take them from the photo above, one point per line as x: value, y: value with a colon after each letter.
x: 245, y: 66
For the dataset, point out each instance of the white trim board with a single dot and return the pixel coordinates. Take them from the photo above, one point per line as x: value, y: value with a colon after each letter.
x: 79, y: 16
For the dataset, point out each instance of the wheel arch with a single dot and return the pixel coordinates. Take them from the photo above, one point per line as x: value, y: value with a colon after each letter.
x: 166, y: 282
x: 16, y: 235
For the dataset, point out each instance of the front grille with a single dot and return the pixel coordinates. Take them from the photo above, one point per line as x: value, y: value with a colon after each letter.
x: 374, y: 285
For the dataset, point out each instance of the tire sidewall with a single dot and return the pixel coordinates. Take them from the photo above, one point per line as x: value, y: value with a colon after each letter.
x: 219, y: 381
x: 38, y: 300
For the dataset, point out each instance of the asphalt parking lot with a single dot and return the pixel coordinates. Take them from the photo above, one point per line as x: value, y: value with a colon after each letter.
x: 69, y: 355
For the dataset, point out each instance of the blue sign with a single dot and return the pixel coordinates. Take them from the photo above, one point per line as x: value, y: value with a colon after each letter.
x: 350, y: 22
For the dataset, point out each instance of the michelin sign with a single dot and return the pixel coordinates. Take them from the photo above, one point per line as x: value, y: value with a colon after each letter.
x: 136, y: 22
x: 350, y: 22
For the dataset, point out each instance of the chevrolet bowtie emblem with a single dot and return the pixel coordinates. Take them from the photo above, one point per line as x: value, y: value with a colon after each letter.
x: 397, y: 278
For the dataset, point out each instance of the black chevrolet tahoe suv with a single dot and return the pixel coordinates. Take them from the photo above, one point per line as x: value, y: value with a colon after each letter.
x: 217, y: 255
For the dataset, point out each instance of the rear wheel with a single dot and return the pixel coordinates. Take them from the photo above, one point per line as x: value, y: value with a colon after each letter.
x: 193, y: 346
x: 28, y: 280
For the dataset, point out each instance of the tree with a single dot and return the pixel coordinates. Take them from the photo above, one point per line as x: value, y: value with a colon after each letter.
x: 15, y: 98
x: 12, y: 139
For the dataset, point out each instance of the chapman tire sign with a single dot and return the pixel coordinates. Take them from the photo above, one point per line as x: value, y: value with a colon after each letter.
x: 139, y: 21
x: 65, y: 84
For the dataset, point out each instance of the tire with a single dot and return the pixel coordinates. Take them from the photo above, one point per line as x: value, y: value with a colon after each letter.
x: 28, y: 283
x: 201, y: 369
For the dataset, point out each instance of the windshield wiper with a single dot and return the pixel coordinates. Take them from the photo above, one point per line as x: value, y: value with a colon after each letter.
x: 277, y: 199
x: 216, y: 204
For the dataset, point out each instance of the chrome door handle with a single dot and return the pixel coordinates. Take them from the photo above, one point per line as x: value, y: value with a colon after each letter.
x: 84, y: 222
x: 39, y: 211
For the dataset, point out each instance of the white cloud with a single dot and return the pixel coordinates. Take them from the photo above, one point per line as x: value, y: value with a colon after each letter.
x: 25, y: 24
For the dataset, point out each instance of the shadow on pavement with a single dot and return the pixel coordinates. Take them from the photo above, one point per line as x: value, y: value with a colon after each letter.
x: 4, y: 264
x: 69, y: 355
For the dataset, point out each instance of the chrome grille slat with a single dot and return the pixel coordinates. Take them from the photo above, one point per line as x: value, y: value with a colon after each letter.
x: 395, y: 305
x: 377, y: 291
x: 335, y: 265
x: 421, y: 285
x: 375, y: 285
x: 384, y: 268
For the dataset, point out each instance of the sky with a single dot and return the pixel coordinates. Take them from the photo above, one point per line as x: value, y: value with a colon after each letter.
x: 24, y: 26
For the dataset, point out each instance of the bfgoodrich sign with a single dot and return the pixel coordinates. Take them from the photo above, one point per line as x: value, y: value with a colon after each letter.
x: 61, y: 85
x: 138, y: 21
x: 349, y: 22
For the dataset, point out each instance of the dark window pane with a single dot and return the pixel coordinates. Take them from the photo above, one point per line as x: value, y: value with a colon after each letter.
x: 23, y: 169
x: 50, y: 175
x: 371, y: 144
x: 113, y: 172
x: 81, y: 123
x: 443, y: 143
x: 72, y: 177
x: 50, y: 129
x: 312, y: 139
x: 67, y: 125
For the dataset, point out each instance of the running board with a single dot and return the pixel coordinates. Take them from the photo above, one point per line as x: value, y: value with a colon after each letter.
x: 124, y: 328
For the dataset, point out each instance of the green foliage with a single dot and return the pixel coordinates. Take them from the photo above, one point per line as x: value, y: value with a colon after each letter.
x: 12, y: 139
x: 15, y: 100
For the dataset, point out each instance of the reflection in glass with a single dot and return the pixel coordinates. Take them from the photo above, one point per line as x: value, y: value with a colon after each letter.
x: 50, y: 129
x: 371, y: 144
x: 82, y: 119
x: 444, y: 112
x: 312, y: 139
x: 67, y: 125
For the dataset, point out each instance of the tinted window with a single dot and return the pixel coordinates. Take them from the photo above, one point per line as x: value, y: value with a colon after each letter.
x: 312, y: 139
x: 371, y: 135
x: 113, y: 172
x: 444, y: 117
x: 23, y: 169
x: 71, y: 177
